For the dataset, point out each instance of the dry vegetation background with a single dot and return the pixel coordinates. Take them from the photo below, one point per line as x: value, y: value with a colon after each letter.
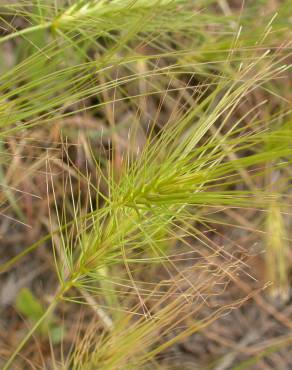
x: 221, y: 285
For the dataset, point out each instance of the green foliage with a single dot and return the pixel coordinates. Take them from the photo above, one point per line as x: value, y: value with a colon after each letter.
x: 31, y: 308
x: 210, y: 154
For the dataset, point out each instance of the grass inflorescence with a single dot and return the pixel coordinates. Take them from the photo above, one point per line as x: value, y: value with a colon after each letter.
x: 145, y: 164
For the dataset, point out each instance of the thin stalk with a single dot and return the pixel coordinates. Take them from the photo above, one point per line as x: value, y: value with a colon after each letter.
x: 36, y: 326
x: 25, y: 31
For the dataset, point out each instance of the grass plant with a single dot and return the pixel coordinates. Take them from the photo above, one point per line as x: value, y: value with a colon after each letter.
x: 154, y: 128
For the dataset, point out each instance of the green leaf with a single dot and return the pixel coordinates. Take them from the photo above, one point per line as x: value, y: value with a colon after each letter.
x: 32, y: 309
x: 56, y: 334
x: 28, y: 305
